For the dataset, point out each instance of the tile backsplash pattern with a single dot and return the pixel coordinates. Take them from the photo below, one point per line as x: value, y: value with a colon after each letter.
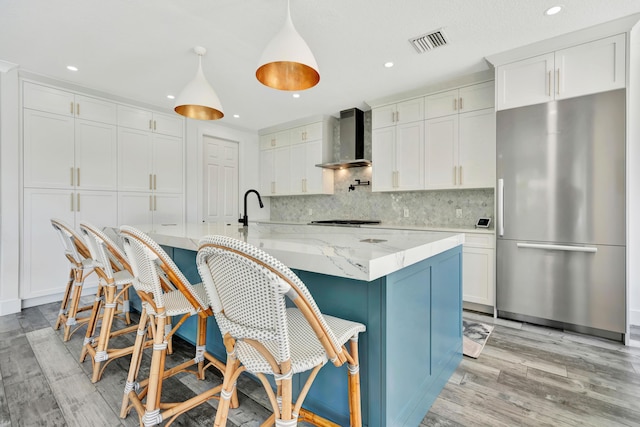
x: 425, y: 208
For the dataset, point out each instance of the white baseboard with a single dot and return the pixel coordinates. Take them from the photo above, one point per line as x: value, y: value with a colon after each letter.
x: 634, y: 317
x: 46, y: 299
x: 10, y: 306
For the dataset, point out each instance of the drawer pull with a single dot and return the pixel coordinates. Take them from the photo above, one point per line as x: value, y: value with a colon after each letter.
x: 589, y: 249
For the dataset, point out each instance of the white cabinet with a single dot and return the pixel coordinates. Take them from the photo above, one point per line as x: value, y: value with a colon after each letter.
x: 460, y: 150
x: 399, y: 113
x: 288, y: 160
x: 135, y: 118
x: 44, y: 269
x: 584, y: 69
x: 150, y: 208
x: 397, y: 154
x: 478, y: 271
x: 461, y: 100
x: 52, y: 100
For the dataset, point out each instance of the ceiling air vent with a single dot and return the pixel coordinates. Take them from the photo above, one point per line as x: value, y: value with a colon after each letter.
x: 429, y: 41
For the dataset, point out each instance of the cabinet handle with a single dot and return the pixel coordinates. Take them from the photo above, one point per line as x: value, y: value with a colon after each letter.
x: 78, y: 177
x: 155, y: 181
x: 154, y: 125
x: 150, y: 182
x: 71, y: 177
x: 71, y: 202
x: 558, y: 83
x: 150, y: 124
x: 78, y: 204
x: 150, y: 202
x: 77, y: 109
x: 461, y: 104
x: 71, y: 108
x: 454, y: 174
x: 549, y: 85
x: 455, y: 104
x: 273, y: 142
x: 460, y: 175
x: 155, y: 203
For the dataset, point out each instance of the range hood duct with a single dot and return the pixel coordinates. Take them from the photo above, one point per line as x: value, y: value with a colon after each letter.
x: 351, y: 141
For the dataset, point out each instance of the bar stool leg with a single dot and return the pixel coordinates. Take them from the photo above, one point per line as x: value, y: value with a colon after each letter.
x: 105, y: 331
x: 136, y: 358
x: 355, y: 409
x: 75, y: 302
x: 156, y: 374
x: 64, y: 305
x: 93, y: 322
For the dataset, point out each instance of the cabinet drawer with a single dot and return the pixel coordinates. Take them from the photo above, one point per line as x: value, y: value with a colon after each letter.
x: 477, y: 240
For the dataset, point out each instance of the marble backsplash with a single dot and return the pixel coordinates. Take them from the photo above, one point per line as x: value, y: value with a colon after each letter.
x: 434, y: 208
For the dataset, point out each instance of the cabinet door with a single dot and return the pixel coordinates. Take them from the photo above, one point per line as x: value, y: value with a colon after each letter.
x: 267, y: 183
x: 45, y: 269
x: 478, y: 275
x: 135, y: 208
x: 96, y: 156
x: 168, y: 209
x: 476, y: 97
x: 134, y: 160
x: 267, y: 141
x: 94, y: 109
x: 477, y: 149
x: 383, y: 116
x: 135, y: 118
x: 525, y: 82
x: 591, y: 67
x: 167, y: 164
x: 98, y: 207
x: 441, y: 104
x: 441, y: 153
x: 282, y: 170
x: 316, y: 180
x: 298, y: 168
x: 383, y: 159
x: 44, y: 98
x: 48, y: 150
x: 410, y: 111
x: 168, y: 124
x: 409, y: 153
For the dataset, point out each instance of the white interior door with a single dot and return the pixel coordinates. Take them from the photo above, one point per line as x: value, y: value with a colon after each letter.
x: 220, y: 180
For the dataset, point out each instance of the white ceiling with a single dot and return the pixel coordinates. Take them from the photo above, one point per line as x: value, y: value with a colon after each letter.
x: 142, y: 49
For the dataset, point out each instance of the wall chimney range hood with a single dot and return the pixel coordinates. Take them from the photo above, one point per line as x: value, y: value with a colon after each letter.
x: 351, y: 141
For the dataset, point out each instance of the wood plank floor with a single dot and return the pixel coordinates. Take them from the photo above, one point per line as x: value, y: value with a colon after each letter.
x: 526, y: 376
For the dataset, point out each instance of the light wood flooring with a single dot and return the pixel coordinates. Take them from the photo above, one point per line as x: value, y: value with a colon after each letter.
x: 526, y: 376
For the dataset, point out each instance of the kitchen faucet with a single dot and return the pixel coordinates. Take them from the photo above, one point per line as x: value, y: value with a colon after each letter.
x: 245, y: 219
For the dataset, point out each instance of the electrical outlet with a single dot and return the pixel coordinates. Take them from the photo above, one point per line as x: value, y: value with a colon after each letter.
x: 458, y: 213
x: 310, y: 211
x: 406, y: 212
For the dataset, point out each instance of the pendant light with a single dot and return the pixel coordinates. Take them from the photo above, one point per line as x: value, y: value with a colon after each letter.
x: 198, y: 100
x: 287, y: 62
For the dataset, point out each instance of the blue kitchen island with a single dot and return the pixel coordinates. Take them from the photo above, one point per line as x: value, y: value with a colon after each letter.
x: 405, y: 286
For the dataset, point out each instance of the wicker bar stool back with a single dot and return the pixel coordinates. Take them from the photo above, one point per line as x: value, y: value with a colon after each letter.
x: 247, y: 288
x: 115, y: 275
x: 148, y: 262
x: 82, y: 265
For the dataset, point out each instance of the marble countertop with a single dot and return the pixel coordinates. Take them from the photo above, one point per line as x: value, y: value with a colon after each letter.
x: 470, y: 229
x: 353, y: 252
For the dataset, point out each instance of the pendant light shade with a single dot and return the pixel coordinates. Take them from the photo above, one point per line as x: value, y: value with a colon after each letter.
x: 198, y: 100
x: 287, y: 62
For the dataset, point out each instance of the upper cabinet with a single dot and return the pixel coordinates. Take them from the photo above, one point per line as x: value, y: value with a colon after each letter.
x: 397, y: 114
x: 288, y: 160
x: 462, y: 100
x: 151, y: 121
x: 584, y: 69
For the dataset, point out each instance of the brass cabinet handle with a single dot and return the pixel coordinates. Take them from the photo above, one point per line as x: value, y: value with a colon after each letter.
x: 71, y: 202
x: 77, y: 109
x: 71, y: 177
x: 71, y: 107
x: 150, y: 202
x: 78, y: 204
x: 558, y: 83
x: 461, y: 105
x: 150, y: 125
x: 155, y: 203
x: 460, y: 175
x: 155, y: 181
x: 78, y: 181
x: 150, y: 182
x: 549, y: 85
x: 455, y: 104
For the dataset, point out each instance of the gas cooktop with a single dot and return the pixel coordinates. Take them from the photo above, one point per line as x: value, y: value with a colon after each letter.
x: 348, y: 222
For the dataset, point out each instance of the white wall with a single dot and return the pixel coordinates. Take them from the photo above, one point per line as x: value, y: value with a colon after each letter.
x: 9, y: 190
x: 248, y: 166
x: 633, y: 178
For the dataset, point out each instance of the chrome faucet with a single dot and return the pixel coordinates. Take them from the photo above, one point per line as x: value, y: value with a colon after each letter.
x: 245, y: 219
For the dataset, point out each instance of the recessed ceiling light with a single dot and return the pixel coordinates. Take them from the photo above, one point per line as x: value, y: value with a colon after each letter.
x: 171, y: 97
x: 72, y: 68
x: 237, y: 116
x: 388, y: 64
x: 553, y: 10
x: 296, y: 95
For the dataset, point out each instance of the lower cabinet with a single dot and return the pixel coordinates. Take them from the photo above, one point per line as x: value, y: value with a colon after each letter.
x: 478, y: 271
x: 44, y: 266
x: 150, y: 208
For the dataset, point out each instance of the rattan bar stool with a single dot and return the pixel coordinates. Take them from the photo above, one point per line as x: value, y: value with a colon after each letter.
x: 145, y: 256
x: 247, y: 288
x: 82, y: 265
x: 113, y: 269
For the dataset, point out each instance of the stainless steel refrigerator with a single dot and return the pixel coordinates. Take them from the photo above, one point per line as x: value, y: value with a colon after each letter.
x: 560, y: 219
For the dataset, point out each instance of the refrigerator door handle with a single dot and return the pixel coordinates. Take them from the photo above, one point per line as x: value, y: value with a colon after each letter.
x: 501, y: 207
x: 590, y: 249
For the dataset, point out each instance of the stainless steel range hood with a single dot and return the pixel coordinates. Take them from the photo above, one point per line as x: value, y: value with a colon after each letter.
x: 351, y: 141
